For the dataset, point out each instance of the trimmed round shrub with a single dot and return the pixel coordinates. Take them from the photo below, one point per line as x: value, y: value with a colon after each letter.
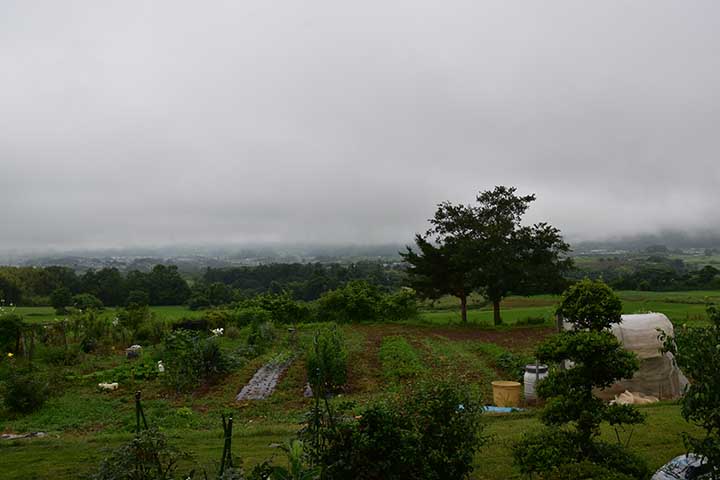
x: 25, y: 391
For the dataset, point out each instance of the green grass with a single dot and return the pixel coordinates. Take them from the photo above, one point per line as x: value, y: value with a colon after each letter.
x: 680, y: 307
x: 399, y: 359
x: 74, y: 456
x: 165, y: 313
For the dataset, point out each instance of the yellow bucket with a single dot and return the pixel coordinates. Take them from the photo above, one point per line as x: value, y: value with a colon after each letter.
x: 506, y: 394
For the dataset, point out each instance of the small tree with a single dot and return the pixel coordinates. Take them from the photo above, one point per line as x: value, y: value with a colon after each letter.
x: 87, y: 301
x: 60, y: 299
x: 573, y: 413
x: 137, y: 297
x: 697, y: 353
x: 326, y: 360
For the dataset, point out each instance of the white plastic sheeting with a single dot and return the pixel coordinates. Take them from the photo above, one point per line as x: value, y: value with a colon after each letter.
x: 639, y: 333
x: 658, y: 375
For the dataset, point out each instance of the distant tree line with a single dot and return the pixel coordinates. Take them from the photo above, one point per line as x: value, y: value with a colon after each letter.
x: 303, y: 281
x: 163, y: 285
x: 654, y: 273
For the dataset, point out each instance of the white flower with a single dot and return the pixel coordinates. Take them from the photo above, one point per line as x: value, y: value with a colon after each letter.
x: 161, y: 367
x: 217, y: 332
x: 115, y: 322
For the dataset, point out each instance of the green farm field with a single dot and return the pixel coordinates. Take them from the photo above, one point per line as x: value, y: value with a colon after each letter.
x: 680, y: 307
x: 163, y: 313
x: 82, y: 422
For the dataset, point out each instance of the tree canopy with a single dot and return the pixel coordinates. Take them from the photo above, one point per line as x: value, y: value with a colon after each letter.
x: 485, y: 248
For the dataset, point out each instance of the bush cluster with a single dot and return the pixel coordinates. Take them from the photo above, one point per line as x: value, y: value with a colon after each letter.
x: 191, y: 359
x: 697, y: 353
x: 362, y: 302
x: 24, y: 390
x: 433, y: 432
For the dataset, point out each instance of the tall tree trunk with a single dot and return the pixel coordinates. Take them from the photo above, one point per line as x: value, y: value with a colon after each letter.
x: 463, y: 308
x: 496, y: 312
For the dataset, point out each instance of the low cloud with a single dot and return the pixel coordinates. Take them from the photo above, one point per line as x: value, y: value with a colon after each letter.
x: 175, y: 122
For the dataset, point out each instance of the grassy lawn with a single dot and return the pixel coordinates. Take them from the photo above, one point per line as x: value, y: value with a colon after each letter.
x: 47, y: 314
x: 680, y: 307
x: 72, y: 455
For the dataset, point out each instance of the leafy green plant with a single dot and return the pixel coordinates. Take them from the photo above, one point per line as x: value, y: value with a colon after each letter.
x: 11, y: 326
x: 357, y: 301
x: 191, y: 359
x: 24, y: 390
x: 57, y: 355
x: 147, y: 457
x: 401, y: 305
x: 432, y: 432
x: 87, y: 301
x: 134, y: 317
x: 697, y: 353
x: 328, y: 355
x: 251, y: 314
x: 512, y: 365
x: 261, y: 334
x: 399, y: 359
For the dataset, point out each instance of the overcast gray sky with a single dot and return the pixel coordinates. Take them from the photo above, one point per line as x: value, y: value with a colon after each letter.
x: 160, y: 122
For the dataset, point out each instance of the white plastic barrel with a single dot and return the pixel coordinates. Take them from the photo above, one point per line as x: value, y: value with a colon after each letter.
x: 533, y: 374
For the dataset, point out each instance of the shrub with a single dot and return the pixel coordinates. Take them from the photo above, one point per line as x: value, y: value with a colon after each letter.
x: 191, y: 359
x: 401, y: 305
x: 357, y: 301
x: 11, y: 326
x: 248, y: 315
x: 87, y: 301
x: 198, y: 301
x: 696, y: 351
x: 193, y: 324
x: 232, y: 332
x: 282, y: 308
x: 151, y: 332
x: 555, y: 454
x: 511, y: 364
x: 147, y: 457
x: 134, y: 317
x: 24, y: 390
x: 60, y: 299
x: 261, y: 335
x: 326, y: 361
x: 60, y: 355
x: 137, y: 298
x: 432, y: 433
x: 218, y: 318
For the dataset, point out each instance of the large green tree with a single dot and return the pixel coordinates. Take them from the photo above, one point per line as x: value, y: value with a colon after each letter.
x: 437, y: 269
x: 484, y: 247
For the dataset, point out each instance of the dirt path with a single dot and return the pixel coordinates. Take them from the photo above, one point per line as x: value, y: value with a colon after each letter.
x: 263, y: 383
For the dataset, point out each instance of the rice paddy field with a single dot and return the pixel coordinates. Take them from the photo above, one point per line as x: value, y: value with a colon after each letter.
x: 82, y: 422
